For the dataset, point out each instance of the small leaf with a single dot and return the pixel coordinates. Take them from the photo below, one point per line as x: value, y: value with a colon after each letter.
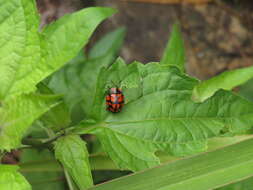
x: 72, y: 152
x: 17, y: 115
x: 205, y: 171
x: 227, y: 81
x: 174, y: 53
x: 11, y: 179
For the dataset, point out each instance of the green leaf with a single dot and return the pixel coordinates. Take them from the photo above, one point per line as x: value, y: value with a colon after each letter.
x: 161, y: 115
x: 20, y: 49
x: 119, y: 72
x: 72, y: 152
x: 101, y: 162
x: 205, y: 171
x: 67, y: 81
x: 62, y: 40
x: 17, y: 115
x: 77, y: 80
x: 56, y: 118
x: 174, y: 53
x: 125, y: 150
x: 29, y: 56
x: 13, y: 38
x: 11, y: 179
x: 227, y: 81
x: 109, y: 44
x: 41, y: 170
x: 246, y: 90
x: 242, y: 185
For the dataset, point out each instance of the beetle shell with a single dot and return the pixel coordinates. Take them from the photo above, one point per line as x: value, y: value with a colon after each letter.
x: 115, y: 100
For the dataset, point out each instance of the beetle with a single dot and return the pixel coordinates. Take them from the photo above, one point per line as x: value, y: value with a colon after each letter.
x: 115, y: 100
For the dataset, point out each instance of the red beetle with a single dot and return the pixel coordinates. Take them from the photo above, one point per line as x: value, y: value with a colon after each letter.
x: 115, y: 100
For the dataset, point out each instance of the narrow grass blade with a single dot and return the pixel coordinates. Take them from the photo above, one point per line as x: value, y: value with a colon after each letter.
x: 205, y: 171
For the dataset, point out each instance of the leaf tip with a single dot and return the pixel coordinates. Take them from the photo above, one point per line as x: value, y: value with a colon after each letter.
x: 196, y: 97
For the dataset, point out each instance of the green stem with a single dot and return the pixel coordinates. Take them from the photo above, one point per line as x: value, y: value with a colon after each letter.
x: 50, y: 132
x: 50, y: 140
x: 32, y: 142
x: 69, y: 180
x: 35, y: 143
x: 103, y: 162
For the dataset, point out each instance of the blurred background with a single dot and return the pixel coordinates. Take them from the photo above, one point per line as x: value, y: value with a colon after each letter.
x: 218, y: 33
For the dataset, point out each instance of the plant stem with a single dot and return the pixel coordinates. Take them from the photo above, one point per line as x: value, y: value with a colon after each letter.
x: 103, y: 162
x: 40, y: 143
x: 69, y: 180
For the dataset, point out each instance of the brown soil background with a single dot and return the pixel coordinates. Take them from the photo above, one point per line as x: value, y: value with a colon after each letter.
x: 218, y: 35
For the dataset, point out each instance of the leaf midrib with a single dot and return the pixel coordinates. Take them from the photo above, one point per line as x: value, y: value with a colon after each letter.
x: 14, y: 78
x: 175, y: 118
x: 145, y: 140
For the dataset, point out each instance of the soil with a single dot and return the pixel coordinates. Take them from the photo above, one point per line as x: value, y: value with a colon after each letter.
x: 218, y: 36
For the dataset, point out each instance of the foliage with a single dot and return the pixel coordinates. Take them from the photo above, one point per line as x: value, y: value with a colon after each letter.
x: 204, y: 171
x: 72, y: 153
x: 41, y: 170
x: 11, y: 179
x: 175, y: 52
x: 227, y: 81
x: 159, y: 114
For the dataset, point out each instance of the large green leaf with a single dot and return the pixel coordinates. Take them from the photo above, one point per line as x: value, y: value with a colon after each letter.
x: 11, y: 179
x: 205, y: 171
x: 161, y: 115
x: 72, y: 152
x: 18, y: 113
x: 125, y: 150
x: 31, y: 55
x: 62, y: 40
x: 20, y: 49
x: 77, y: 80
x: 41, y: 170
x: 227, y: 81
x: 12, y: 42
x: 174, y: 53
x: 27, y: 55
